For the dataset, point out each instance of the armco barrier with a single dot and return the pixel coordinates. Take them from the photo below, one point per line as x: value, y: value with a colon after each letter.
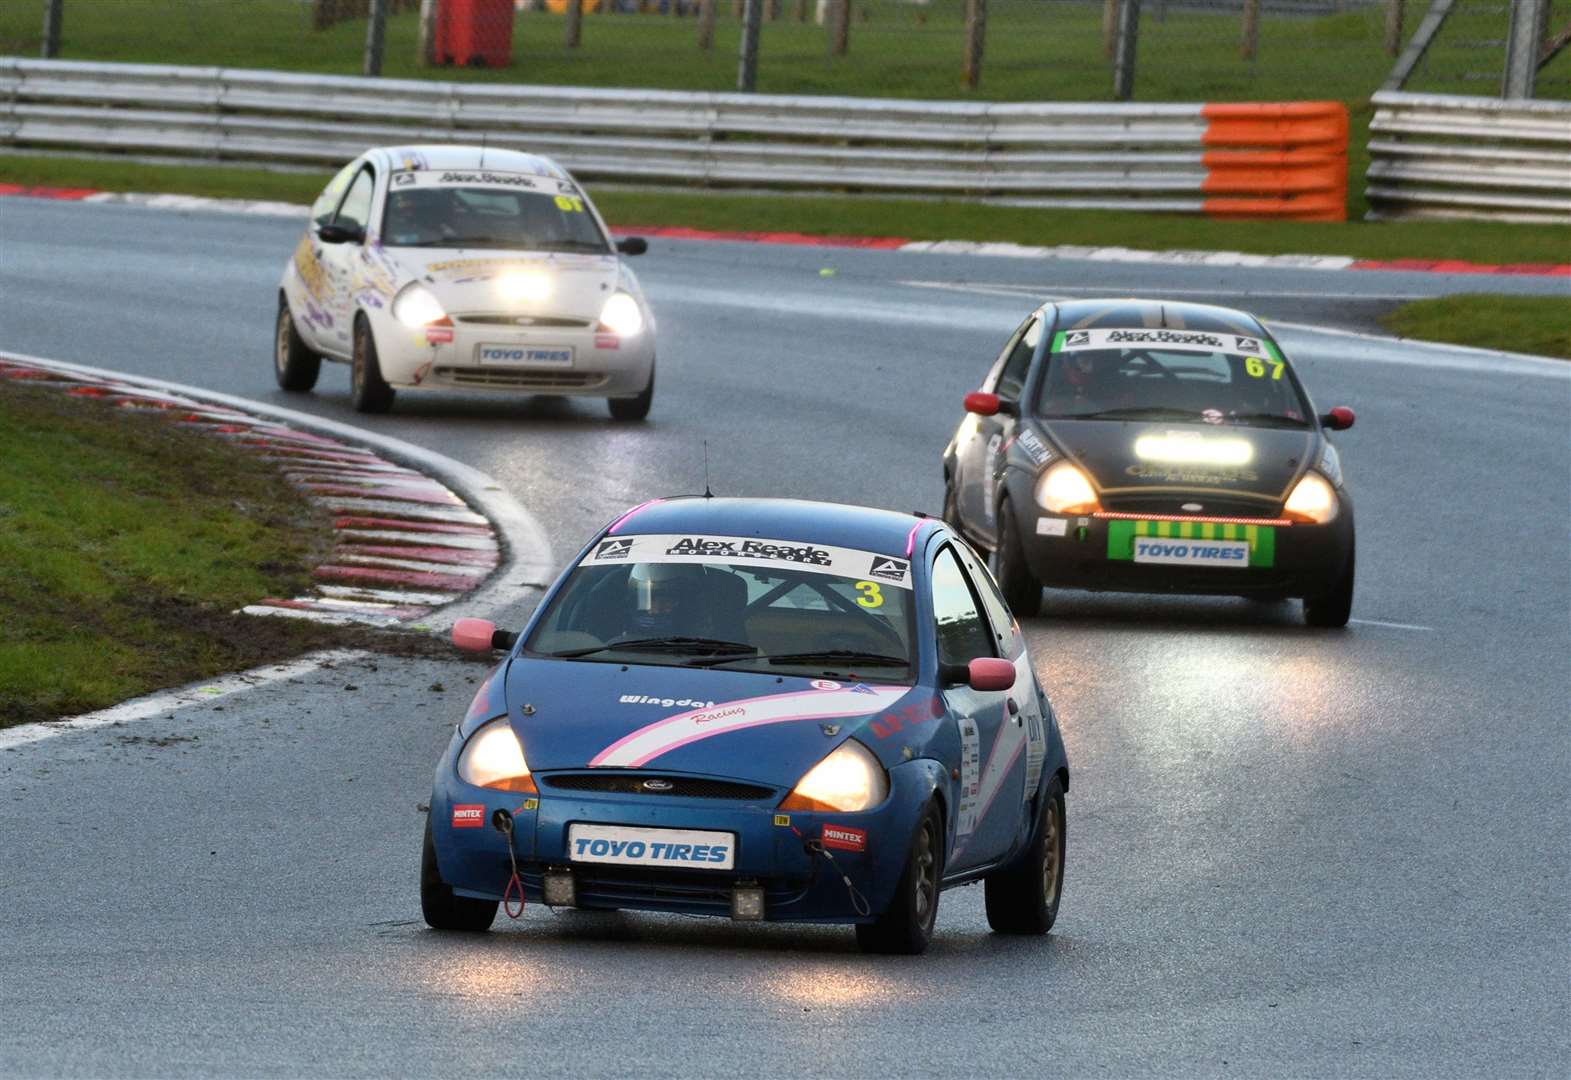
x: 1446, y: 156
x: 1268, y: 160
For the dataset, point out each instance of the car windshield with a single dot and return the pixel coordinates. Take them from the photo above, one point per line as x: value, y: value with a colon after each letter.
x: 735, y: 603
x: 1173, y: 375
x: 423, y: 211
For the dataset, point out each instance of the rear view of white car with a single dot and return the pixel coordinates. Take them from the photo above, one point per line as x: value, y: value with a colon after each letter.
x: 461, y: 268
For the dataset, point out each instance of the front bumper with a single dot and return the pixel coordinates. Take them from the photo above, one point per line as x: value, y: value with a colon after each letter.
x: 531, y: 360
x: 1095, y: 553
x: 799, y: 885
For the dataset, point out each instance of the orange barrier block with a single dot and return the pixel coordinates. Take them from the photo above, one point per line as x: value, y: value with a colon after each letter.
x: 1286, y: 160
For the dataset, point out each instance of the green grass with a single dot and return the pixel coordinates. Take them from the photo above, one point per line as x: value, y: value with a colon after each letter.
x: 126, y: 544
x: 1478, y: 241
x: 1526, y: 324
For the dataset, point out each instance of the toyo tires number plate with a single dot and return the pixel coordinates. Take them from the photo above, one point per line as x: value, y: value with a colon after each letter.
x: 622, y: 845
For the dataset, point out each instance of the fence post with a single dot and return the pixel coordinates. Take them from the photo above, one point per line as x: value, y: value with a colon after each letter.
x: 1522, y: 45
x: 706, y: 24
x: 52, y: 13
x: 1124, y: 51
x: 425, y: 39
x: 747, y: 64
x: 839, y: 27
x: 1250, y: 40
x: 573, y: 23
x: 1394, y: 15
x: 1109, y: 27
x: 375, y: 35
x: 976, y: 32
x: 801, y: 10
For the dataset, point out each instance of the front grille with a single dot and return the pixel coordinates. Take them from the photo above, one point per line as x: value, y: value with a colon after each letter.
x: 528, y: 322
x: 516, y: 379
x: 1261, y: 511
x: 602, y: 886
x: 689, y: 787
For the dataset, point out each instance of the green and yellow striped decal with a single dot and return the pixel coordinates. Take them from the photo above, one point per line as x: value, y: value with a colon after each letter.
x: 1262, y: 538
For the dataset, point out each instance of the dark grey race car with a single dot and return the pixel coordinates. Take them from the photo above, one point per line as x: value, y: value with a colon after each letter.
x: 1143, y: 446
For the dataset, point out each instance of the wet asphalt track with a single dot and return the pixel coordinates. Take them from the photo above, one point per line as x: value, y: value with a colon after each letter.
x: 1291, y: 851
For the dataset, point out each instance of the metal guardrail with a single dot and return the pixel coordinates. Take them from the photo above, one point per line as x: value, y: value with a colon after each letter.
x: 1447, y: 156
x: 1251, y: 160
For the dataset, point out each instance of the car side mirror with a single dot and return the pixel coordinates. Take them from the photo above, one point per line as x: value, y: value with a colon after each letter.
x: 1338, y: 419
x: 341, y: 234
x: 985, y: 404
x: 481, y: 635
x: 632, y: 245
x: 990, y: 673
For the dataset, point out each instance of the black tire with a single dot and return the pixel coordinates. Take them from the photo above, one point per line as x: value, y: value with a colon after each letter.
x: 442, y: 908
x: 1022, y: 591
x: 369, y: 392
x: 294, y: 364
x: 1332, y: 606
x: 1023, y: 898
x: 636, y: 407
x: 907, y: 927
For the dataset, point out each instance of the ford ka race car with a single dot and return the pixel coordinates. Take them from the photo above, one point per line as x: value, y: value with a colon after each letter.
x: 460, y: 268
x: 1140, y: 446
x: 761, y: 709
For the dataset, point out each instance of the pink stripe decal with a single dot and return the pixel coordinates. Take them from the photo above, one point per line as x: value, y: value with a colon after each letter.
x: 911, y: 538
x: 619, y: 522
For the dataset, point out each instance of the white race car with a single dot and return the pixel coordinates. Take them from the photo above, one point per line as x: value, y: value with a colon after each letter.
x: 463, y: 268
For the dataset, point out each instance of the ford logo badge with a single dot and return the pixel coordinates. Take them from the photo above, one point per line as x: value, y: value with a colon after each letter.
x: 1193, y: 508
x: 658, y: 785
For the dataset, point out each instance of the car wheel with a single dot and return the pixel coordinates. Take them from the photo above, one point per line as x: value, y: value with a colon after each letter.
x: 294, y: 364
x: 1022, y: 591
x: 633, y: 408
x: 1023, y: 898
x: 443, y: 909
x: 368, y: 390
x: 1333, y: 605
x: 907, y: 926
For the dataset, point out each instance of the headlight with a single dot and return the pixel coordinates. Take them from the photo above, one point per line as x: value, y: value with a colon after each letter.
x: 848, y: 779
x: 493, y: 758
x: 416, y: 306
x: 1313, y: 500
x: 1064, y: 489
x: 621, y: 315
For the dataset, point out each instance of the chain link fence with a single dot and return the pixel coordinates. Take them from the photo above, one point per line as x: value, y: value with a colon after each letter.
x: 1009, y: 50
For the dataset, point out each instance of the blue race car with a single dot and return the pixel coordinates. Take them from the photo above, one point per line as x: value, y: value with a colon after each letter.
x: 761, y: 709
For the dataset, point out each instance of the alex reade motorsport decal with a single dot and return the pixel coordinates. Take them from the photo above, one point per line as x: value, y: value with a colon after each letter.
x: 1173, y: 340
x: 664, y: 736
x: 751, y: 551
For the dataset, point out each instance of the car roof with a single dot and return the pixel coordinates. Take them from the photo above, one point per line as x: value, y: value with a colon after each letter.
x: 795, y: 520
x: 1129, y: 313
x: 445, y: 156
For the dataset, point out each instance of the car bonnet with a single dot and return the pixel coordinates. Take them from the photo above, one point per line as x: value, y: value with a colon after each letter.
x: 521, y: 284
x: 766, y: 728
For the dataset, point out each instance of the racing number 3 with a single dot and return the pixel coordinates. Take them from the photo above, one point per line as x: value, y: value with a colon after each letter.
x: 871, y: 595
x: 570, y: 203
x: 1257, y: 367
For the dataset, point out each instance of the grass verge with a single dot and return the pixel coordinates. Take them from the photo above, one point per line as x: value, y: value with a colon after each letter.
x: 127, y: 543
x: 1476, y: 241
x: 1526, y: 324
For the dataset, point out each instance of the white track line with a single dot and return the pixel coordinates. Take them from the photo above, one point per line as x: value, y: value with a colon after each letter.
x: 169, y: 701
x: 1391, y: 625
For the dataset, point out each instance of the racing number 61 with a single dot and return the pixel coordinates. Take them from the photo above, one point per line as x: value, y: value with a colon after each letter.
x: 571, y: 203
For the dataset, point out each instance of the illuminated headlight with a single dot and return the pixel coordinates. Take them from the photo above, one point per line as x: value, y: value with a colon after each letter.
x: 1313, y: 500
x: 416, y: 306
x: 621, y: 315
x: 847, y: 780
x: 529, y: 286
x: 493, y: 758
x: 1064, y: 489
x: 1193, y: 450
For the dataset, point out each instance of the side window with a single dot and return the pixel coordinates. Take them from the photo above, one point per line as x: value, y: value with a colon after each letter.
x: 998, y: 613
x: 1012, y: 379
x: 356, y: 208
x: 990, y: 384
x: 963, y: 634
x: 327, y: 202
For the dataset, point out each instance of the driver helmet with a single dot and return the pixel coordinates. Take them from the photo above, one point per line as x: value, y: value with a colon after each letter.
x: 663, y: 598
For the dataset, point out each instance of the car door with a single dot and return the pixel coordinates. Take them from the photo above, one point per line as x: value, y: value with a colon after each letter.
x: 308, y: 288
x: 341, y: 261
x: 963, y: 634
x: 982, y: 458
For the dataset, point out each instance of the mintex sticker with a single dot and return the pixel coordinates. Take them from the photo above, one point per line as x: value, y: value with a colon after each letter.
x: 1046, y: 526
x: 752, y: 551
x: 843, y: 838
x: 468, y: 816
